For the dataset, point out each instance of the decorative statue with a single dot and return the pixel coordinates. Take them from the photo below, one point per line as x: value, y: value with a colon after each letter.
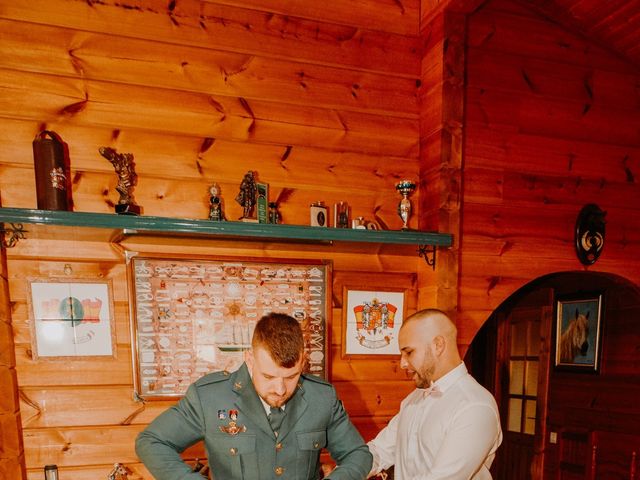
x: 127, y: 180
x: 247, y: 195
x: 215, y: 202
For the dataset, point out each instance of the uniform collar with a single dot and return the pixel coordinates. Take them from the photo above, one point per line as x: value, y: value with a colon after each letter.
x: 250, y: 404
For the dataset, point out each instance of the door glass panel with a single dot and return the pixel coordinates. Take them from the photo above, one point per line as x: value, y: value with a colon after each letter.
x: 531, y: 386
x: 530, y: 417
x: 518, y: 339
x: 516, y: 381
x: 515, y: 415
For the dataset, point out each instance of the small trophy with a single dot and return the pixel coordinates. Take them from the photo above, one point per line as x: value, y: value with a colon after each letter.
x: 215, y: 204
x: 127, y: 180
x: 406, y: 188
x: 274, y: 214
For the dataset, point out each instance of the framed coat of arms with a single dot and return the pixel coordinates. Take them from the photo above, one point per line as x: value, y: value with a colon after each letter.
x: 372, y: 320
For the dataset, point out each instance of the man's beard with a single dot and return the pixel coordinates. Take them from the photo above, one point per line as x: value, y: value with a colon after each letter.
x: 424, y: 375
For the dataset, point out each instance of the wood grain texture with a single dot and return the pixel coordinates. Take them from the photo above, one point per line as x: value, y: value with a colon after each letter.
x: 509, y: 127
x: 540, y: 143
x: 96, y: 56
x: 242, y: 30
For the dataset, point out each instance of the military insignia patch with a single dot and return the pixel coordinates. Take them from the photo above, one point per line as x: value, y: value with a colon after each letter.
x: 233, y: 428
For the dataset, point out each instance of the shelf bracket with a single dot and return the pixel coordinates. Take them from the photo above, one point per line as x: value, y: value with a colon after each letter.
x: 16, y: 232
x: 428, y: 252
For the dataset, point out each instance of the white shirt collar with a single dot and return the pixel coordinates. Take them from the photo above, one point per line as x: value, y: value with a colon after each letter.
x: 444, y: 382
x: 267, y: 407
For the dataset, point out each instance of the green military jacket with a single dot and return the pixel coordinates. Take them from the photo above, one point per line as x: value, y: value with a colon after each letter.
x: 225, y: 410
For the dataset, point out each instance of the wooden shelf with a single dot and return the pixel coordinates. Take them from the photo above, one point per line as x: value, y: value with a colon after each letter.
x: 44, y: 224
x: 131, y: 225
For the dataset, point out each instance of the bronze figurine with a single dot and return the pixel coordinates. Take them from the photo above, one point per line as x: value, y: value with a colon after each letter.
x: 127, y: 180
x: 247, y: 195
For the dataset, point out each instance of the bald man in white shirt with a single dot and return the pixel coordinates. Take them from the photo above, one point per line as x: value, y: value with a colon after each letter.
x: 448, y: 428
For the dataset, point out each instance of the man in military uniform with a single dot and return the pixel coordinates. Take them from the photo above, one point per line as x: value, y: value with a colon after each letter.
x: 266, y: 420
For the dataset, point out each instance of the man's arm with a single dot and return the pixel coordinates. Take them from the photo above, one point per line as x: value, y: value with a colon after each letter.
x: 472, y: 434
x: 160, y: 444
x: 383, y: 447
x: 346, y: 446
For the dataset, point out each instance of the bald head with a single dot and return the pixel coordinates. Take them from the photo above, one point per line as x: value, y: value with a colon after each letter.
x: 428, y: 346
x: 432, y: 322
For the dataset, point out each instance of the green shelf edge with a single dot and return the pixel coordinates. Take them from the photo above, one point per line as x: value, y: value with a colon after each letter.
x: 165, y: 225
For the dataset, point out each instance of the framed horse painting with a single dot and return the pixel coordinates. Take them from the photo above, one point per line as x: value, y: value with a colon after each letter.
x: 578, y: 332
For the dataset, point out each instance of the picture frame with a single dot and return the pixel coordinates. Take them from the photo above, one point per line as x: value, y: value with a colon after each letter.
x: 578, y: 333
x: 371, y: 321
x: 71, y: 318
x: 195, y: 315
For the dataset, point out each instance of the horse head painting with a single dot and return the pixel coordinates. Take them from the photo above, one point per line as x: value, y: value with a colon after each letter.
x: 574, y: 342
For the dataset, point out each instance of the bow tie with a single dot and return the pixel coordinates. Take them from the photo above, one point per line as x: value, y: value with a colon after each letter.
x: 433, y: 391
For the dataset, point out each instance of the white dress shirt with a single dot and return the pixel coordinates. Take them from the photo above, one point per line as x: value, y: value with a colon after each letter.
x: 450, y: 431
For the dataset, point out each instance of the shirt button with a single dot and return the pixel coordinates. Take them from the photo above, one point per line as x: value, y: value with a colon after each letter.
x: 279, y: 470
x: 278, y: 446
x: 233, y: 451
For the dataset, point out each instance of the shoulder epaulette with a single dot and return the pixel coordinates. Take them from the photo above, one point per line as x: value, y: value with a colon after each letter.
x: 316, y: 379
x: 214, y: 377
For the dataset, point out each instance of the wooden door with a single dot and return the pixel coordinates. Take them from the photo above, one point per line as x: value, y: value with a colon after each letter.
x: 521, y: 393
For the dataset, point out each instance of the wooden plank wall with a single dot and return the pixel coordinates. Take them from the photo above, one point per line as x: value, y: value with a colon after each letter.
x: 604, y: 406
x: 11, y: 445
x: 319, y: 98
x: 552, y: 123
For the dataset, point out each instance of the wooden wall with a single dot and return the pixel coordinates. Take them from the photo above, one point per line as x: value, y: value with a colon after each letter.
x: 552, y: 122
x: 587, y: 411
x: 320, y: 100
x: 336, y: 102
x: 11, y: 447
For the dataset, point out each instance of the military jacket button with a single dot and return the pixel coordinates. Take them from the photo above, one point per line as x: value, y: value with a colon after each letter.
x: 279, y: 470
x: 316, y: 444
x: 233, y: 451
x: 278, y: 446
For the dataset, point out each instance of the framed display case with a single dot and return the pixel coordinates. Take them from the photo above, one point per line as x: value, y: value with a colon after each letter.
x: 192, y: 316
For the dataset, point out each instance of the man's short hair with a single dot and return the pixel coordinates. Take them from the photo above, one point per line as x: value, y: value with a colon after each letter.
x: 281, y: 336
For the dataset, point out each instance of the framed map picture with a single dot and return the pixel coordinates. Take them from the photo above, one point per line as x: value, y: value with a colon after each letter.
x: 372, y: 320
x: 71, y: 318
x: 193, y: 316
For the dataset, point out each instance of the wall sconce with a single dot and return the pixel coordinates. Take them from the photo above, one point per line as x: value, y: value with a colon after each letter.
x: 590, y: 233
